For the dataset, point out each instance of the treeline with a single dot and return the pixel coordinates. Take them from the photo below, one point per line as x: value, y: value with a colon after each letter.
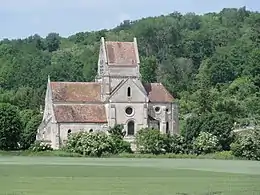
x: 210, y: 63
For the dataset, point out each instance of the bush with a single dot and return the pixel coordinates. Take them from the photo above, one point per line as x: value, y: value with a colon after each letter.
x: 176, y: 144
x: 205, y: 143
x: 120, y: 146
x: 247, y: 145
x: 90, y: 144
x: 150, y: 141
x: 40, y: 147
x: 96, y: 144
x: 117, y: 134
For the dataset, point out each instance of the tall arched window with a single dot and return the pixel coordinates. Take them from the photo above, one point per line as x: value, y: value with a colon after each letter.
x: 131, y: 128
x: 128, y: 92
x: 167, y: 127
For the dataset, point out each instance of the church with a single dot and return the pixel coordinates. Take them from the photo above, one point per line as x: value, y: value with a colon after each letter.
x: 118, y: 96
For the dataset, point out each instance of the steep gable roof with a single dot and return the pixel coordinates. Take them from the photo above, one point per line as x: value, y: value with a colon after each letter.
x: 158, y: 93
x: 121, y: 53
x: 122, y: 83
x: 76, y: 91
x: 80, y: 113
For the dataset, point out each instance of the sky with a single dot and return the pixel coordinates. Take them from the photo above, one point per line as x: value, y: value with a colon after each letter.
x: 23, y: 18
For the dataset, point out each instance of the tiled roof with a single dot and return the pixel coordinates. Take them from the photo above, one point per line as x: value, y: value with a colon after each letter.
x: 94, y: 113
x: 76, y: 91
x: 121, y: 53
x: 158, y: 93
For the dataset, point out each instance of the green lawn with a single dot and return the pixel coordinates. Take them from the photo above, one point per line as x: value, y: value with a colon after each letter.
x: 59, y: 176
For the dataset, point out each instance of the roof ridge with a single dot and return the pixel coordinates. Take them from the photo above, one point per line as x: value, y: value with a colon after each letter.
x: 72, y: 82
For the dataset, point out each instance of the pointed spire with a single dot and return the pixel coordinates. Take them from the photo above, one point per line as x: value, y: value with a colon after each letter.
x: 49, y: 79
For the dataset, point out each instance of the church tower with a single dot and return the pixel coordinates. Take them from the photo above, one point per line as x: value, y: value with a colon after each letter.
x: 117, y: 62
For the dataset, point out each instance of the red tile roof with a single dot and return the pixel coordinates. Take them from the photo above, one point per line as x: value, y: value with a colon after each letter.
x: 76, y: 91
x: 158, y: 93
x: 121, y: 53
x: 80, y: 113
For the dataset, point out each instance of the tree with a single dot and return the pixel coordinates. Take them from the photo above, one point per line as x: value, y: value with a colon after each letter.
x: 53, y: 42
x: 10, y: 127
x: 28, y: 135
x: 148, y: 69
x: 220, y: 125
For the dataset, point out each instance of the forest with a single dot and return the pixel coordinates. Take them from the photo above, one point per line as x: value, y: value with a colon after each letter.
x: 210, y: 63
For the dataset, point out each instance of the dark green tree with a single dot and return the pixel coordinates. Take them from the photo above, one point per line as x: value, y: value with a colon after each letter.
x: 10, y: 127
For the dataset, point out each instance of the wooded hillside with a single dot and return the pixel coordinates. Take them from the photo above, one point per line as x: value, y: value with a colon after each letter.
x: 210, y: 62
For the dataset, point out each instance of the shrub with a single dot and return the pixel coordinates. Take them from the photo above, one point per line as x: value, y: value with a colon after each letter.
x: 117, y: 140
x: 247, y: 145
x: 120, y: 146
x: 40, y: 146
x: 117, y: 132
x: 90, y: 144
x: 150, y: 141
x: 205, y: 143
x: 176, y: 144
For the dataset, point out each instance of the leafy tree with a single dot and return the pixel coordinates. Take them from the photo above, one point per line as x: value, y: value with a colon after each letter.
x: 53, y: 42
x: 148, y: 69
x: 28, y: 134
x: 10, y: 127
x: 220, y: 125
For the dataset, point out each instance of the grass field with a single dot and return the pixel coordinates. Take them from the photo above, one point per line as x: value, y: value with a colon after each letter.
x: 61, y: 176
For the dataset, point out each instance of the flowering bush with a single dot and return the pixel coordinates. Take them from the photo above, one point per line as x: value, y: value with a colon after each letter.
x: 95, y: 144
x: 40, y: 146
x: 91, y: 144
x: 247, y: 145
x: 205, y: 143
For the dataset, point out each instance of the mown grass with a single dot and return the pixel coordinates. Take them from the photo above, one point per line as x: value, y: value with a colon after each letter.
x: 218, y: 155
x: 59, y: 176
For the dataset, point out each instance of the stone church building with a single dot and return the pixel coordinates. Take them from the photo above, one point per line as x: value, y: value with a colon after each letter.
x: 118, y: 96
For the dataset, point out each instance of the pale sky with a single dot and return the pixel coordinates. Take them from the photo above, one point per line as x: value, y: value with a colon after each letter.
x: 22, y: 18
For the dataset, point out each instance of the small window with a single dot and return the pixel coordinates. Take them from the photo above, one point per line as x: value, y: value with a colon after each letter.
x: 91, y: 130
x: 128, y: 92
x: 157, y: 109
x: 129, y: 110
x: 69, y: 132
x: 167, y: 110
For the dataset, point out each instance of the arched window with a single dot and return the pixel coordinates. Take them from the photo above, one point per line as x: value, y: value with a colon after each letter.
x: 69, y: 132
x: 131, y: 128
x: 91, y: 130
x: 167, y: 127
x: 128, y: 92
